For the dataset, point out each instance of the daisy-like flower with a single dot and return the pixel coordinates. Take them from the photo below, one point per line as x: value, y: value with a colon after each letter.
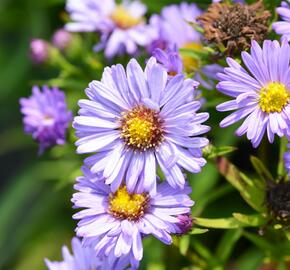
x: 135, y: 120
x: 122, y: 26
x: 84, y: 258
x: 287, y: 160
x: 117, y: 221
x: 283, y: 27
x: 261, y: 94
x: 46, y: 116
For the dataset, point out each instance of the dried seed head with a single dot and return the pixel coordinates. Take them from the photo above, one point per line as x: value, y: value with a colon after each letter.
x: 234, y: 26
x: 278, y: 201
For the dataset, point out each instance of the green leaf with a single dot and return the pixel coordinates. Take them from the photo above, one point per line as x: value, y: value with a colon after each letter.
x: 227, y: 244
x: 252, y: 190
x: 219, y: 223
x: 211, y: 151
x: 198, y: 231
x: 260, y: 168
x: 251, y: 220
x: 184, y: 244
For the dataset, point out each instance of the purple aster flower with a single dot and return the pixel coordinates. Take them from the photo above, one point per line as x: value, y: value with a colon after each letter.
x: 46, y: 116
x: 84, y: 258
x: 117, y: 221
x: 135, y: 120
x: 61, y: 39
x: 261, y: 94
x: 287, y: 160
x: 283, y: 28
x: 39, y: 51
x: 122, y: 26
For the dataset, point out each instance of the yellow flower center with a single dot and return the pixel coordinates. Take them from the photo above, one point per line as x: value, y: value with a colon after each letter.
x: 274, y: 97
x: 190, y: 64
x: 124, y: 205
x: 123, y: 18
x: 141, y: 128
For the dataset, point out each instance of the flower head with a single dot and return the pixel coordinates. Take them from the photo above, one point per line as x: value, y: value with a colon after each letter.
x: 84, y: 258
x: 261, y: 94
x: 234, y: 26
x: 61, y: 39
x: 137, y: 119
x: 122, y: 26
x: 116, y: 221
x: 283, y: 27
x: 46, y: 116
x: 39, y: 51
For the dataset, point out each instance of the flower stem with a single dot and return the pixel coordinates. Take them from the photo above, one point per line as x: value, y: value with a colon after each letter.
x: 281, y: 167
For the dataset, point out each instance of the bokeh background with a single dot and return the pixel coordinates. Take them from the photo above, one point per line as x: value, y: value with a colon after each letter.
x: 35, y: 191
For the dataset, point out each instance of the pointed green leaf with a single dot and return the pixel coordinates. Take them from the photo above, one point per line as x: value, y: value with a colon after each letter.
x: 253, y: 193
x: 184, y: 244
x: 198, y: 231
x: 260, y: 168
x: 219, y: 223
x: 251, y: 220
x: 211, y: 151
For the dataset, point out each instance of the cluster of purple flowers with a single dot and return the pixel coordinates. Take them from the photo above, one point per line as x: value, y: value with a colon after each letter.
x: 138, y: 120
x: 133, y: 121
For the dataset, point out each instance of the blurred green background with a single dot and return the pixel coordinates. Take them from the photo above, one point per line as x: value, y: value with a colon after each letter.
x: 35, y: 207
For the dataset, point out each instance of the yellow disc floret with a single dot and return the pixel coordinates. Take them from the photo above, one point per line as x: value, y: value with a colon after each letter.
x: 124, y: 205
x: 274, y: 97
x: 124, y: 19
x: 141, y: 128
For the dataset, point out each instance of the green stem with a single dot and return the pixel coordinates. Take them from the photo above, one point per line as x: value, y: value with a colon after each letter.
x: 281, y: 167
